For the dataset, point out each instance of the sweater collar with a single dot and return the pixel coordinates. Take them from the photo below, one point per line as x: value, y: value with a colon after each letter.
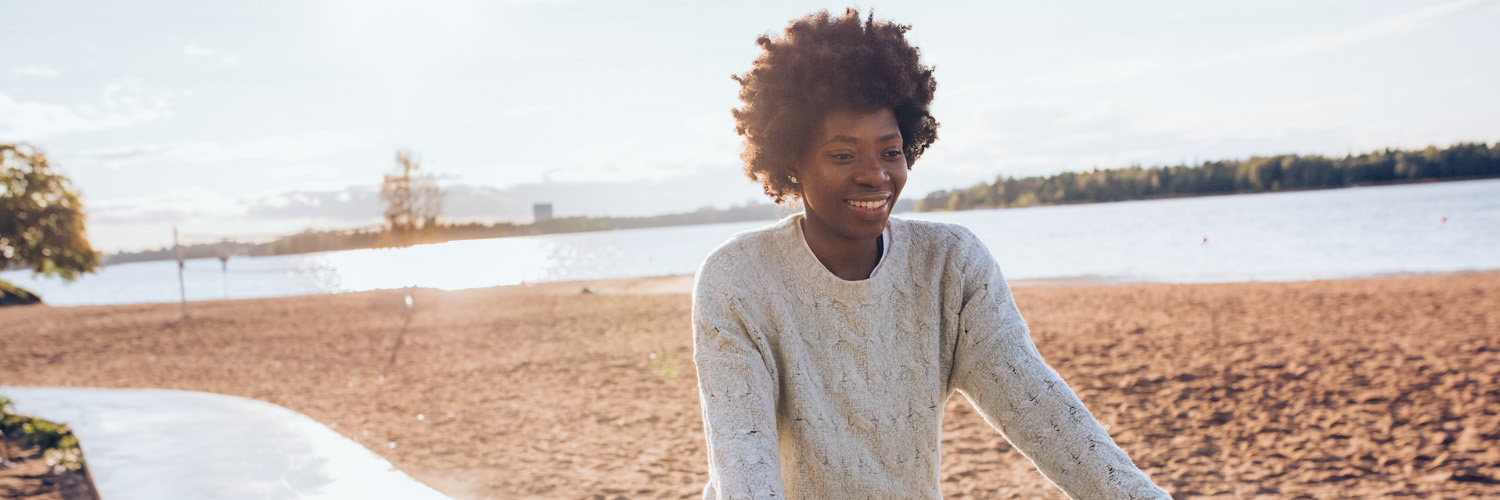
x: 823, y: 284
x: 883, y: 241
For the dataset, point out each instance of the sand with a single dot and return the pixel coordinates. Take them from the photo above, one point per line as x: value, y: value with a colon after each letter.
x: 1327, y: 389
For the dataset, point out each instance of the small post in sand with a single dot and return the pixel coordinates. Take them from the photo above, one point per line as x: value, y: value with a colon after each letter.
x: 400, y: 337
x: 224, y: 252
x: 181, y: 284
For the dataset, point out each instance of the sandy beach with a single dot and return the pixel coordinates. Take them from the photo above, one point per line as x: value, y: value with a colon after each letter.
x: 1325, y: 389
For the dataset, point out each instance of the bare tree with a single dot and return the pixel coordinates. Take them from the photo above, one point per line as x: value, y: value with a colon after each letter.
x: 413, y: 203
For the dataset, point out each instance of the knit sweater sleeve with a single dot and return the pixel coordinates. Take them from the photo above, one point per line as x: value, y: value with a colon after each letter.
x: 736, y: 385
x: 997, y: 367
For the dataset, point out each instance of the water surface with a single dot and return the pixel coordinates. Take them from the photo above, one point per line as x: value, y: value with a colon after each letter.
x: 1341, y: 233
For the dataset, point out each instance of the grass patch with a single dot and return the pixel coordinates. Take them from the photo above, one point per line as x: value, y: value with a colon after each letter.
x: 665, y: 363
x: 59, y: 446
x: 11, y: 295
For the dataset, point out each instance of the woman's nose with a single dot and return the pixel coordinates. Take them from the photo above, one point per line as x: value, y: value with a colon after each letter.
x: 870, y: 173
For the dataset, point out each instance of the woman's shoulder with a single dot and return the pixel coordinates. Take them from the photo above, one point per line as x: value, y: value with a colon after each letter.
x: 753, y: 243
x: 744, y: 252
x: 940, y: 249
x: 940, y: 237
x: 928, y: 229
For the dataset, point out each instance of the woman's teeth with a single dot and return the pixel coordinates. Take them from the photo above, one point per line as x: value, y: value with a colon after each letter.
x: 866, y: 204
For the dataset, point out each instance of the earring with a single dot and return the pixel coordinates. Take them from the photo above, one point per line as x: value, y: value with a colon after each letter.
x: 794, y: 178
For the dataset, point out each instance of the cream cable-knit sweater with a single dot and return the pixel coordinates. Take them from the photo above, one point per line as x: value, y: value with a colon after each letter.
x: 818, y: 388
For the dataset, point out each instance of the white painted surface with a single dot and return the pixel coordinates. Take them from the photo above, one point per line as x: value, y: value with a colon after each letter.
x: 152, y: 444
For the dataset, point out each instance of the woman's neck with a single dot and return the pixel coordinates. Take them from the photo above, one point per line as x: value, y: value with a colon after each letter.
x: 850, y: 260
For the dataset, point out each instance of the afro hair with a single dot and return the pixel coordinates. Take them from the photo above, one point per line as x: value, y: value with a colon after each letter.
x: 821, y: 64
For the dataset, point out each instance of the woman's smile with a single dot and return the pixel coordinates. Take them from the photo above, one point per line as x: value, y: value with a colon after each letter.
x: 871, y: 208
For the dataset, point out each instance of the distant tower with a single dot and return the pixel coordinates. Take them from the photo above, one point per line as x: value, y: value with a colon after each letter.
x: 541, y: 212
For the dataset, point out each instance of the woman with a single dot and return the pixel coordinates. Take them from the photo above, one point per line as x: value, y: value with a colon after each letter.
x: 828, y: 343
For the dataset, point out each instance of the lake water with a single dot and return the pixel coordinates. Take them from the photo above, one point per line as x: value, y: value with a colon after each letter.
x: 1354, y: 232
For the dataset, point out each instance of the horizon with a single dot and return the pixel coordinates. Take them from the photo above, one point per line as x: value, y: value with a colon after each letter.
x: 906, y: 205
x: 243, y: 120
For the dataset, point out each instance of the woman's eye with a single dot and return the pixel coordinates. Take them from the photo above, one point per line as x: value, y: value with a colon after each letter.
x: 842, y: 156
x: 894, y: 153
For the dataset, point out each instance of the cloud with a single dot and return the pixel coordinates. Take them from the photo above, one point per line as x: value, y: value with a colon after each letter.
x: 352, y: 204
x: 293, y: 153
x: 1382, y: 27
x: 116, y: 155
x: 1118, y: 70
x: 197, y: 51
x: 526, y: 110
x: 1265, y: 119
x: 1102, y: 72
x: 1075, y: 139
x: 362, y: 204
x: 137, y: 215
x: 123, y: 103
x: 304, y: 146
x: 34, y: 71
x: 293, y: 210
x: 173, y: 206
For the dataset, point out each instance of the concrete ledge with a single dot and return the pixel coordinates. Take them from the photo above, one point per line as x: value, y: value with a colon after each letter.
x: 156, y: 443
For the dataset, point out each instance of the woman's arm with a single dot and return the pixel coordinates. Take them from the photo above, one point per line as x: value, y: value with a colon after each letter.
x: 736, y: 385
x: 998, y: 368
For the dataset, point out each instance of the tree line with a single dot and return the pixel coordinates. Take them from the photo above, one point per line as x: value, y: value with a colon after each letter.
x: 305, y: 242
x: 352, y: 239
x: 414, y: 204
x: 1468, y: 160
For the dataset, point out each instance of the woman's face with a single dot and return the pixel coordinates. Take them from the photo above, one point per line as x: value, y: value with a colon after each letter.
x: 851, y: 174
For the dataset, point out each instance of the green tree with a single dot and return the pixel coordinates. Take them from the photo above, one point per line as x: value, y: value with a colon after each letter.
x: 957, y: 200
x: 41, y: 220
x: 413, y: 203
x: 1256, y: 174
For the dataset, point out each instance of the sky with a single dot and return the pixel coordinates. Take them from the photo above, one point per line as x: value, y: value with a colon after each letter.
x: 249, y: 120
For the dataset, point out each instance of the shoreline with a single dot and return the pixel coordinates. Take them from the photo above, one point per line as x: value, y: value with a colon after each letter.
x: 1364, y: 387
x: 1391, y: 183
x: 683, y: 284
